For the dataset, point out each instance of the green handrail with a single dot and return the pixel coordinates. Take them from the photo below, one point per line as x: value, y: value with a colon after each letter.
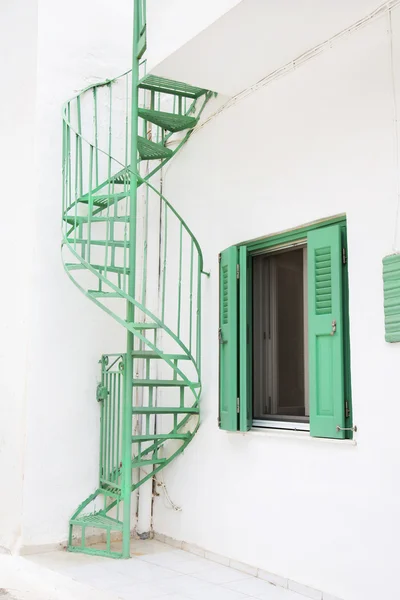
x: 103, y: 243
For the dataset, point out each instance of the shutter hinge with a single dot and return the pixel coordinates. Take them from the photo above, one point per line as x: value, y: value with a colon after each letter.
x: 219, y: 257
x: 237, y: 271
x: 344, y: 256
x: 347, y: 409
x: 238, y: 405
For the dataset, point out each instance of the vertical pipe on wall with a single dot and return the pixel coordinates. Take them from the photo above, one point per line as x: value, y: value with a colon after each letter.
x: 130, y: 310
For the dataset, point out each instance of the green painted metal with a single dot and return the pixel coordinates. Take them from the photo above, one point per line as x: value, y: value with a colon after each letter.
x: 245, y: 351
x: 120, y: 234
x: 166, y: 86
x: 150, y: 151
x: 228, y: 339
x: 346, y: 335
x: 169, y: 121
x: 325, y: 333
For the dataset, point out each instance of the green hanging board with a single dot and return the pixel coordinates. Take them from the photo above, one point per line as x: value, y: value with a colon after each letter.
x: 391, y: 295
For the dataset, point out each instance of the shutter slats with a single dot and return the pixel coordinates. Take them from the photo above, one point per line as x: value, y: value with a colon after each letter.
x: 326, y: 358
x: 228, y: 349
x: 323, y: 279
x: 225, y: 294
x: 391, y: 293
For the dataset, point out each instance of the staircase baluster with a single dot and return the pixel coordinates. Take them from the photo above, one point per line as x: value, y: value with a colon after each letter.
x: 178, y: 329
x: 96, y: 134
x: 90, y: 203
x: 191, y: 296
x: 79, y: 116
x: 158, y: 337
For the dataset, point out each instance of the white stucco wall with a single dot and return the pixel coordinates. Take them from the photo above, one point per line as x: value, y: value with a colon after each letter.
x: 78, y: 45
x: 313, y: 144
x: 255, y: 38
x: 172, y: 24
x: 87, y: 42
x: 18, y: 21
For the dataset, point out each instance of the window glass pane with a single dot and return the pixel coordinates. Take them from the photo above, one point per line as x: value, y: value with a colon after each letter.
x: 279, y: 336
x: 289, y: 332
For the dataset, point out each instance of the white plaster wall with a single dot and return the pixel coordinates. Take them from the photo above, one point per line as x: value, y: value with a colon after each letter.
x: 172, y: 24
x: 18, y: 22
x: 79, y: 43
x: 257, y: 37
x: 313, y: 144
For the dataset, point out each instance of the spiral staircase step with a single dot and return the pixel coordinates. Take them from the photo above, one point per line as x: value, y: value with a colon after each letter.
x: 169, y: 86
x: 151, y: 151
x: 161, y: 437
x: 165, y: 410
x: 155, y: 355
x: 169, y: 121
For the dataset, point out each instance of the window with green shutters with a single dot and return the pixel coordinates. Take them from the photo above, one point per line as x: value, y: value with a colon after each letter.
x: 284, y: 333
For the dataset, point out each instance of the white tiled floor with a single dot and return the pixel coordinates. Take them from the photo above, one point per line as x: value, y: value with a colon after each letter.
x: 160, y: 572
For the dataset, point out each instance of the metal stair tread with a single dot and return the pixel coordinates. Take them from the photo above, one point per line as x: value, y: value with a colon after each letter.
x: 169, y: 86
x: 99, y: 294
x: 151, y: 151
x: 74, y: 266
x: 164, y: 410
x: 102, y: 198
x: 168, y: 121
x: 111, y: 269
x: 85, y: 219
x: 140, y: 326
x: 163, y: 383
x: 123, y: 177
x: 110, y: 243
x: 160, y: 436
x: 155, y: 355
x: 97, y: 520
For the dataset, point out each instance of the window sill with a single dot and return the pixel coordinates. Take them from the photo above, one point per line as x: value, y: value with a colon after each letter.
x: 281, y: 425
x: 304, y: 436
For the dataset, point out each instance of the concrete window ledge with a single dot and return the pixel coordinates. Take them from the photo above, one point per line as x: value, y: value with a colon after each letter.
x: 291, y: 434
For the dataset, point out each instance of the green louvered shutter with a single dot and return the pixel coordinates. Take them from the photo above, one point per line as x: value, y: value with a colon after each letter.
x: 245, y: 350
x: 228, y: 340
x: 325, y: 333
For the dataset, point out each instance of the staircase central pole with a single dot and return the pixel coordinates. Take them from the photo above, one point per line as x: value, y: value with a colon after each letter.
x: 130, y: 309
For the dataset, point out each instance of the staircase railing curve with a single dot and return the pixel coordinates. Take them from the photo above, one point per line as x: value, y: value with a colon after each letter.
x: 169, y: 264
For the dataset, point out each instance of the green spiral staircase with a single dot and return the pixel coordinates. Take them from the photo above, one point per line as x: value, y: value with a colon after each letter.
x: 130, y: 252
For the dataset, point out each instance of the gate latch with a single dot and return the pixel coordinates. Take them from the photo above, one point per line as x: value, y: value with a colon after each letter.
x: 101, y: 393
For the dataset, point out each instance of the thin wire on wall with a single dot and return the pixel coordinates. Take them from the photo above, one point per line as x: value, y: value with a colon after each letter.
x: 395, y: 132
x: 301, y: 59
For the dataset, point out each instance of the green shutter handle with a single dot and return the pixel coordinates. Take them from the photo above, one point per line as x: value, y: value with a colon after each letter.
x: 333, y: 327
